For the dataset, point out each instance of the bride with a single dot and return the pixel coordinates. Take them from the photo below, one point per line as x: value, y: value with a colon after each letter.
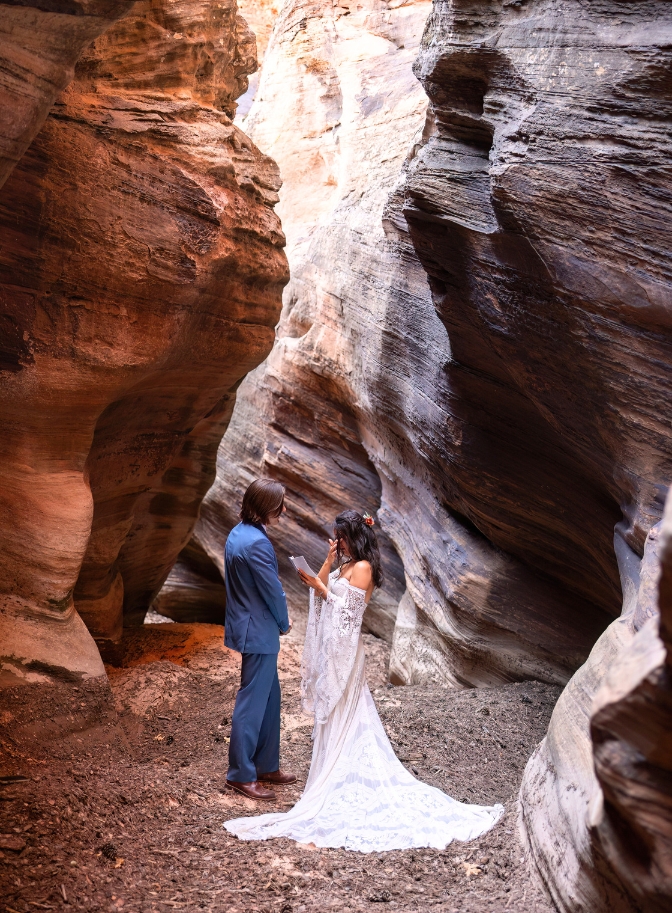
x: 358, y: 794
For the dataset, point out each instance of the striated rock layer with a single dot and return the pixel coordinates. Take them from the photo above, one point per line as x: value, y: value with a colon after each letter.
x: 40, y: 42
x: 554, y: 300
x: 142, y: 264
x: 539, y: 207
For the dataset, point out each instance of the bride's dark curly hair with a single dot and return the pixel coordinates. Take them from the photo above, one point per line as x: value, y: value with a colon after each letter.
x: 361, y: 541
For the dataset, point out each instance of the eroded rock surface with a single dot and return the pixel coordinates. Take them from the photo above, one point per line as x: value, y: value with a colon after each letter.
x: 142, y: 264
x: 557, y: 308
x: 40, y: 42
x: 517, y: 411
x: 631, y: 731
x: 557, y: 317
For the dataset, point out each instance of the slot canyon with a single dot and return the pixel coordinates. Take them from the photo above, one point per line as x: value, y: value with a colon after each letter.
x: 406, y: 256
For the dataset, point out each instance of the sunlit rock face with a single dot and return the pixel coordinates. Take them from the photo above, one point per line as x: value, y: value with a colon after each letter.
x: 305, y: 417
x: 40, y: 42
x: 142, y: 263
x: 260, y: 15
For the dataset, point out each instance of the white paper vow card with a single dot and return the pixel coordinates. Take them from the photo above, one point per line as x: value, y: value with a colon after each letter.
x: 301, y: 564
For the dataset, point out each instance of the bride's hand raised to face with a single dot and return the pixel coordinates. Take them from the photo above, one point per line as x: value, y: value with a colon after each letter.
x: 313, y: 582
x: 331, y: 556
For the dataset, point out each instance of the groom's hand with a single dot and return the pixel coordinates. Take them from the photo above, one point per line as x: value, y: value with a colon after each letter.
x: 283, y: 633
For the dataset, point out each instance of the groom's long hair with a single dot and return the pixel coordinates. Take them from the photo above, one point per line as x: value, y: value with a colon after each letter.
x: 264, y: 498
x: 361, y: 541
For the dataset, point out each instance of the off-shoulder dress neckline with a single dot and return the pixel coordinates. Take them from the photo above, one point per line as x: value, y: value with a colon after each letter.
x: 345, y: 580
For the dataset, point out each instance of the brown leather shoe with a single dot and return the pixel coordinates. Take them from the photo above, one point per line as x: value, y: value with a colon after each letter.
x: 252, y: 790
x: 278, y: 777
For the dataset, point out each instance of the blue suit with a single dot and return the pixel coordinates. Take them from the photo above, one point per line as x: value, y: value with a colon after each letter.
x: 256, y: 613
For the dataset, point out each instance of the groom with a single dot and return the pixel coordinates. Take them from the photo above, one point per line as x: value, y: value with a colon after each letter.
x: 256, y: 614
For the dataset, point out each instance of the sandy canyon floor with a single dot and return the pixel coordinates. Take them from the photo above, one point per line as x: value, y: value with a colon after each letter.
x: 126, y: 814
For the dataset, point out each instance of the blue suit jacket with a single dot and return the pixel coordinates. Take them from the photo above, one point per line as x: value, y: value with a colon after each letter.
x: 256, y: 605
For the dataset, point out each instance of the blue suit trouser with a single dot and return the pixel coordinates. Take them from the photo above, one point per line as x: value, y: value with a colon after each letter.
x: 255, y: 726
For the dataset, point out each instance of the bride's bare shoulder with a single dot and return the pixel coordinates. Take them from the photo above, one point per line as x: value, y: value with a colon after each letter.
x: 361, y: 575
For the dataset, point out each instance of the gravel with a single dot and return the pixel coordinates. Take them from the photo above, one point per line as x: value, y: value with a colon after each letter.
x: 126, y: 811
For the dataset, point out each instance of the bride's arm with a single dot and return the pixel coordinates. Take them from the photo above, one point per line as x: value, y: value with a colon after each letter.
x: 321, y: 582
x: 331, y: 648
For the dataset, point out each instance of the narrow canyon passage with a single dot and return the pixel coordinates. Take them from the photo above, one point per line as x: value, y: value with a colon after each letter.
x: 409, y: 257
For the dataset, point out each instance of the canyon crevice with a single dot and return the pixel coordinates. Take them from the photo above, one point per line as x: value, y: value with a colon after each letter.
x: 141, y: 271
x: 445, y: 408
x: 298, y: 417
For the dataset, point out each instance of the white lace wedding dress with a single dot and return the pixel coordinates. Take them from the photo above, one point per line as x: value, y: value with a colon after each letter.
x: 358, y: 794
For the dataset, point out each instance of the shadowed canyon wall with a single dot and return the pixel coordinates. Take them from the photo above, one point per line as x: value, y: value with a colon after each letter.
x: 540, y: 208
x: 141, y: 268
x: 554, y: 303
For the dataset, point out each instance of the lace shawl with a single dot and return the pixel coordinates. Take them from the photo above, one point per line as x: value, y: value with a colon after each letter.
x: 330, y: 649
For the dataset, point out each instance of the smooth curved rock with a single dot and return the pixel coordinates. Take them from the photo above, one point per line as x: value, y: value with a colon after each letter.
x: 558, y: 325
x: 143, y: 265
x: 538, y: 215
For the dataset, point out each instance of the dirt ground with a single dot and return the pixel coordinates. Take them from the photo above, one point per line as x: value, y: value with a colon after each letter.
x: 123, y: 798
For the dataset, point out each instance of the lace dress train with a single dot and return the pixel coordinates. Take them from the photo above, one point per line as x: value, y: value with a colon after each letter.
x: 358, y: 794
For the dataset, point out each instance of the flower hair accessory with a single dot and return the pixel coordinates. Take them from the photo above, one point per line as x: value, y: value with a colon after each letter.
x: 368, y: 519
